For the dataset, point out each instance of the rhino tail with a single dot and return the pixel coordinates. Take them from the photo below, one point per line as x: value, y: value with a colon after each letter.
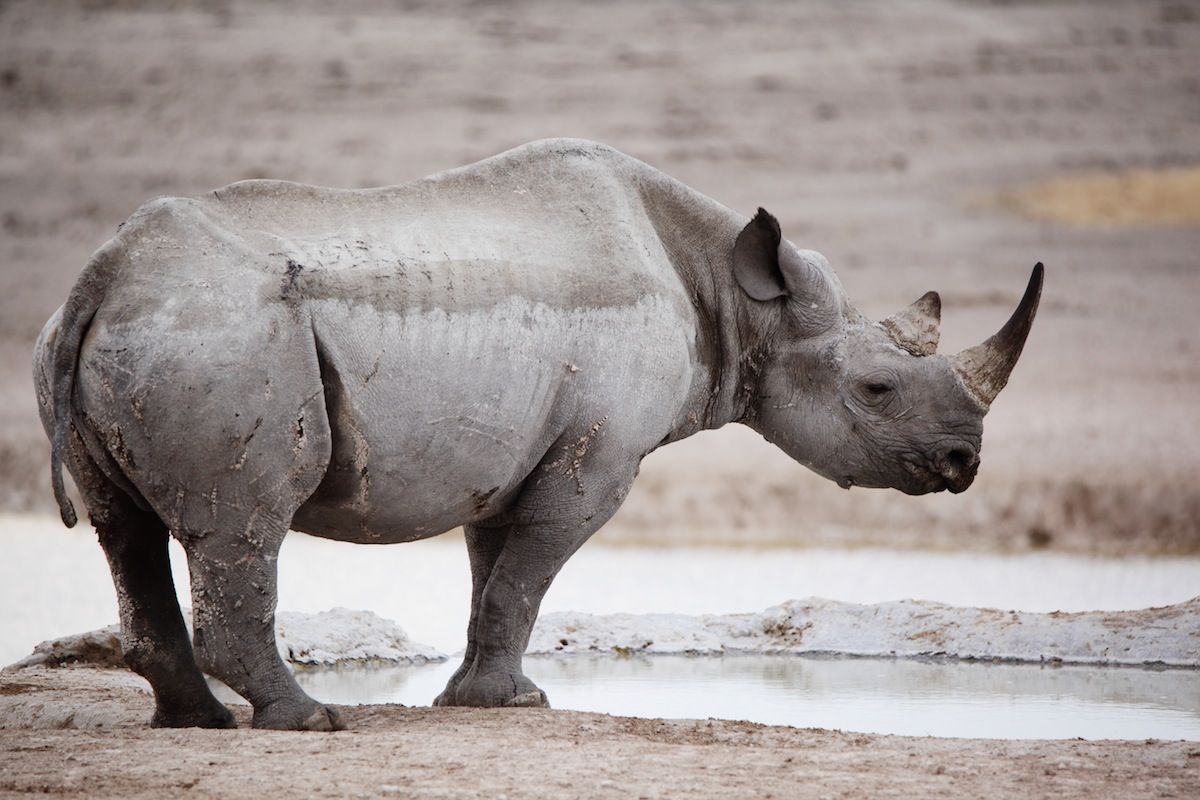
x: 77, y: 314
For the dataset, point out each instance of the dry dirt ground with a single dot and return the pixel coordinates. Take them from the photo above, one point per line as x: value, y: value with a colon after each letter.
x: 81, y: 732
x: 934, y: 145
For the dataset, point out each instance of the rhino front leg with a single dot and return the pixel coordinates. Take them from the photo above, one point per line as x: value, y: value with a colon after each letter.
x: 484, y: 545
x: 551, y: 523
x: 233, y: 597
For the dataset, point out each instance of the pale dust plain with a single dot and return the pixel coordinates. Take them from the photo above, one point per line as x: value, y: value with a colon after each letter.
x: 919, y: 146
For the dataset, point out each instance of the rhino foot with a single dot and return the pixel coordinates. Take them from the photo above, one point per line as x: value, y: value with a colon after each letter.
x: 214, y: 716
x: 494, y: 690
x: 281, y: 717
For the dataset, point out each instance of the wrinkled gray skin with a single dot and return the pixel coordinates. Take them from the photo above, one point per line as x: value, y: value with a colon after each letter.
x: 495, y: 347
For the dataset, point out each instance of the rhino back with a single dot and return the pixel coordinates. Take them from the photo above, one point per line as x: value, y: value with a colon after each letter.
x: 561, y: 223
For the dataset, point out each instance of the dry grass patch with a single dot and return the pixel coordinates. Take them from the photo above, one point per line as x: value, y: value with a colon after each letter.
x: 1127, y: 199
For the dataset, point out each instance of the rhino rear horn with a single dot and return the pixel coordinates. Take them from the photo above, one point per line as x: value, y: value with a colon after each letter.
x: 915, y: 328
x: 985, y: 367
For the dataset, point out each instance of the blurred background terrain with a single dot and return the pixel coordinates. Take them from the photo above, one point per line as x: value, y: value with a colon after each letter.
x: 932, y: 145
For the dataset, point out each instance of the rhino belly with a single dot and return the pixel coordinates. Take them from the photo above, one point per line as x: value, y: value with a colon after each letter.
x: 387, y: 506
x: 409, y: 462
x: 436, y: 420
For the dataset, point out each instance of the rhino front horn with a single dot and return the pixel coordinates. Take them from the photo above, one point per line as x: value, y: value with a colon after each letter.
x: 985, y: 367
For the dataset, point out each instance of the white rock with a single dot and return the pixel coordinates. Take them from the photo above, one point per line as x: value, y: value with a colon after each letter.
x: 1168, y: 636
x: 904, y: 629
x: 341, y: 635
x: 331, y: 637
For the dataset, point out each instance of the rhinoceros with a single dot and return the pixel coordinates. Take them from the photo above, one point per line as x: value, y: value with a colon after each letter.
x: 495, y: 347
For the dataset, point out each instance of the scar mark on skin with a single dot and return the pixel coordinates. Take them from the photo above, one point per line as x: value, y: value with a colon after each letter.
x: 294, y: 268
x: 245, y: 445
x: 480, y: 499
x: 571, y: 463
x: 369, y: 376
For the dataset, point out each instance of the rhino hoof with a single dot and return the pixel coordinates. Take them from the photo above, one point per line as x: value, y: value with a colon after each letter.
x: 535, y: 699
x: 322, y: 718
x: 216, y: 717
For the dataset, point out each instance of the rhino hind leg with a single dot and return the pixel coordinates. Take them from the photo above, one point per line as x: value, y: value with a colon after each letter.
x: 233, y: 619
x: 153, y: 635
x: 154, y: 638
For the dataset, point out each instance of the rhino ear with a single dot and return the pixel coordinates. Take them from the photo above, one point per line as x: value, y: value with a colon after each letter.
x: 915, y: 328
x: 756, y: 258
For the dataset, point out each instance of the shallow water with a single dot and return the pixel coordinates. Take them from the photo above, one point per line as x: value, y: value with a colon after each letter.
x: 972, y: 700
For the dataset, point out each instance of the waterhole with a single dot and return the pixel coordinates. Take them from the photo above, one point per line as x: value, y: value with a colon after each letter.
x: 912, y: 698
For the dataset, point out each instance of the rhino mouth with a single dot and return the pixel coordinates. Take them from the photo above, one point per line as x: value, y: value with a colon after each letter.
x: 958, y: 485
x: 929, y: 482
x: 953, y: 474
x: 952, y: 471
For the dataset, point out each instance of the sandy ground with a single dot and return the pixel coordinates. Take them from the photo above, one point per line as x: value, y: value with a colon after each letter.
x: 81, y: 732
x: 938, y: 145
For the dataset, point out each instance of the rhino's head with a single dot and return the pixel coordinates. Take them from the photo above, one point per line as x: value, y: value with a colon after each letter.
x: 865, y: 403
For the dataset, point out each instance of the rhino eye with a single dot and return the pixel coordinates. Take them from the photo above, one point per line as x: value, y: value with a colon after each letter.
x: 876, y: 389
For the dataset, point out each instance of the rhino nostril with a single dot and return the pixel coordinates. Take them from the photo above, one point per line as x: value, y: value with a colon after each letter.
x: 958, y: 461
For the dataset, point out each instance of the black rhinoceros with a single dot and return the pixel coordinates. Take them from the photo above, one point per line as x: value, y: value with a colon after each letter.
x: 495, y: 347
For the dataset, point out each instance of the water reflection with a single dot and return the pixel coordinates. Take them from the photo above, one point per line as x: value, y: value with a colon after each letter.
x: 1001, y: 701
